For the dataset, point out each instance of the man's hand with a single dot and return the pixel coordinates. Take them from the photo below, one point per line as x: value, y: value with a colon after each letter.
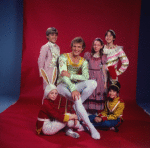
x: 65, y: 73
x: 75, y: 95
x: 98, y: 119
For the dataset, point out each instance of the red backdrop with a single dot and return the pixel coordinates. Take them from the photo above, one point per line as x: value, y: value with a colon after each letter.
x: 88, y: 19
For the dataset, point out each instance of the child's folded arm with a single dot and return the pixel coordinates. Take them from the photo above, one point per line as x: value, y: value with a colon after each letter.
x: 116, y: 114
x: 85, y: 73
x: 66, y: 80
x: 54, y: 112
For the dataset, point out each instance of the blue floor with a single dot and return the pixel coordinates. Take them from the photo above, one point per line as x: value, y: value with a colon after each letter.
x: 146, y: 107
x: 5, y: 102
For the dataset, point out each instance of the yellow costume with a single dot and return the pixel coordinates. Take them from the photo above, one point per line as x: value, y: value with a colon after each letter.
x: 113, y: 109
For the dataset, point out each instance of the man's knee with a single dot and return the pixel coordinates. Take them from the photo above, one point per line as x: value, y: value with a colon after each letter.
x: 93, y: 84
x: 61, y: 90
x: 64, y: 92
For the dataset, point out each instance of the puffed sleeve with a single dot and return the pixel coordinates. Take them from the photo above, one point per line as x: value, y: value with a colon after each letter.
x: 63, y: 66
x: 87, y: 56
x: 84, y: 75
x: 124, y: 61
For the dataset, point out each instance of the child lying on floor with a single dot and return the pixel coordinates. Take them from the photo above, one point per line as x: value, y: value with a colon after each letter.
x: 111, y: 117
x: 51, y: 119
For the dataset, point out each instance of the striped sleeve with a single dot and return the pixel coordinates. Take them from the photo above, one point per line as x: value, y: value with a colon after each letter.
x: 124, y: 61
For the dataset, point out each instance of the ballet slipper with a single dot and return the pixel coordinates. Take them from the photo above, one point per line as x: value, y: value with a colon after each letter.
x: 72, y: 134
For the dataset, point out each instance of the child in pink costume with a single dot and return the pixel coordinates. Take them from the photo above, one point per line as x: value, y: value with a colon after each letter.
x: 49, y: 54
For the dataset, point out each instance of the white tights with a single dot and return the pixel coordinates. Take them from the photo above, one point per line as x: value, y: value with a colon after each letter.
x: 86, y: 88
x: 52, y: 127
x: 84, y: 116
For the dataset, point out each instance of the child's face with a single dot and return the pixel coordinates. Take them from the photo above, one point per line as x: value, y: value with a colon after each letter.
x: 112, y: 94
x: 109, y: 38
x: 97, y: 46
x: 53, y: 95
x: 52, y: 37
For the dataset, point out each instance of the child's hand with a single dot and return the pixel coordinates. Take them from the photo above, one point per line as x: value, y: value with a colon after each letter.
x: 98, y: 119
x: 73, y: 116
x: 76, y: 121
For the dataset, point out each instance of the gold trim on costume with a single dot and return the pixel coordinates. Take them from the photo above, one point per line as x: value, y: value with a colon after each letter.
x: 116, y: 86
x: 39, y: 131
x: 74, y: 64
x: 66, y: 118
x: 59, y: 102
x: 66, y: 106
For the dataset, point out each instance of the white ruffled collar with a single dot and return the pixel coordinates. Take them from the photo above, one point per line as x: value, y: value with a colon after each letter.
x: 51, y: 44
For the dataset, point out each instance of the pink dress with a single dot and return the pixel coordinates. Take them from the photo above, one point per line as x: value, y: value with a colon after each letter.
x: 95, y: 103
